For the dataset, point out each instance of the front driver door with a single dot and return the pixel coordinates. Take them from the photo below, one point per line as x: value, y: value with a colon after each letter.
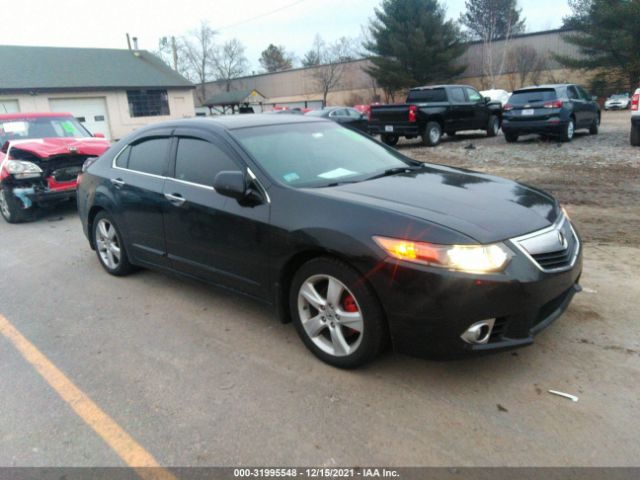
x: 208, y: 235
x: 480, y: 110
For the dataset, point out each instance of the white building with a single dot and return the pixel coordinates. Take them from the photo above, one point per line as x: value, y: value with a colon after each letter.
x: 110, y: 91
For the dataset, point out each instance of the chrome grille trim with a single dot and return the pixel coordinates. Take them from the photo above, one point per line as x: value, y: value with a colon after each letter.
x: 554, y: 229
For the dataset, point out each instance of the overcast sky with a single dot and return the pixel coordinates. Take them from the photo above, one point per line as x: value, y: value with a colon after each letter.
x: 82, y: 23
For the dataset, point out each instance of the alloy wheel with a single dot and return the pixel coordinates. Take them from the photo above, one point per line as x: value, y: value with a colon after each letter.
x: 108, y: 244
x: 330, y: 315
x: 434, y: 135
x: 570, y: 130
x: 4, y: 206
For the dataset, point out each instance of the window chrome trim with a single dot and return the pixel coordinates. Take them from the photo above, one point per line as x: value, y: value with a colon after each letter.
x: 200, y: 185
x: 557, y: 226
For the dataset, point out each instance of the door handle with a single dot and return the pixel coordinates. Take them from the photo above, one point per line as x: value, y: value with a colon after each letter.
x: 117, y: 182
x: 175, y: 198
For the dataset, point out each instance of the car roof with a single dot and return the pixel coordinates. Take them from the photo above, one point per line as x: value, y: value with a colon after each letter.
x: 23, y: 116
x: 431, y: 87
x: 233, y: 122
x: 548, y: 85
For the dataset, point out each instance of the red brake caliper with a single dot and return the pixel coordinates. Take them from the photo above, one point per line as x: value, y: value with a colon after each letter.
x: 349, y: 304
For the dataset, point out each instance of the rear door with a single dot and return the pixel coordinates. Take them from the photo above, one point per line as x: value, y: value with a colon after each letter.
x: 208, y: 235
x: 138, y: 179
x: 580, y: 107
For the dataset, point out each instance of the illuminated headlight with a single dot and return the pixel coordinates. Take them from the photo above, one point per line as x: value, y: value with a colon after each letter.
x: 466, y: 258
x: 21, y: 169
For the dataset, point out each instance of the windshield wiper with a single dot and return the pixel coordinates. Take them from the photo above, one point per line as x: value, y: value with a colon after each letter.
x: 395, y: 171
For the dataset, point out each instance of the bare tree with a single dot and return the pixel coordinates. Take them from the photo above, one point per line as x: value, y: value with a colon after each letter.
x: 230, y: 62
x: 172, y: 52
x: 328, y: 74
x: 526, y: 63
x: 199, y: 52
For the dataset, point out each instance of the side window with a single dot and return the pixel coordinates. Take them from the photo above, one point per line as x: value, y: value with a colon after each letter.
x: 457, y: 95
x: 572, y: 93
x: 353, y: 113
x: 123, y: 158
x: 149, y: 156
x: 583, y: 93
x: 339, y: 113
x: 474, y: 96
x: 199, y: 162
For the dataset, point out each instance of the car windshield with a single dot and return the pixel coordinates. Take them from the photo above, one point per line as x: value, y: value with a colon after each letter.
x: 619, y: 97
x: 46, y: 127
x: 317, y: 154
x: 524, y: 97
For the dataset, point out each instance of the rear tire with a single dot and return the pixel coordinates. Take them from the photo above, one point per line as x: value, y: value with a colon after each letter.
x: 109, y: 245
x: 511, y: 137
x: 390, y: 139
x: 569, y: 131
x: 432, y: 134
x: 634, y: 137
x: 11, y: 208
x: 326, y: 296
x: 493, y: 128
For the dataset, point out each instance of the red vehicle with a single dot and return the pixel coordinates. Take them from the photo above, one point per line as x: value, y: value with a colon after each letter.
x: 40, y: 159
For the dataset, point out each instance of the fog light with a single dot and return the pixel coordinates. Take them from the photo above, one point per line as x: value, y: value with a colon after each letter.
x: 479, y: 333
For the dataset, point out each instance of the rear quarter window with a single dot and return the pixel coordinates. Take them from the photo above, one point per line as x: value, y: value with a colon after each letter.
x: 149, y: 156
x: 427, y: 96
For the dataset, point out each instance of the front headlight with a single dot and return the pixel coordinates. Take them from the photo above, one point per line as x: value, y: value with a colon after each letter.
x: 466, y: 258
x: 21, y: 169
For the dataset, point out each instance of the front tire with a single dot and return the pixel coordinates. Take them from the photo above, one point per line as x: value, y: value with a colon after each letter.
x: 390, y: 139
x: 336, y: 314
x: 595, y: 126
x: 493, y: 128
x: 107, y: 239
x: 12, y: 210
x: 432, y: 134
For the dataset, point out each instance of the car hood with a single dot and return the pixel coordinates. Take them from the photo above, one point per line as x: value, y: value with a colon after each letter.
x: 48, y: 147
x: 483, y: 207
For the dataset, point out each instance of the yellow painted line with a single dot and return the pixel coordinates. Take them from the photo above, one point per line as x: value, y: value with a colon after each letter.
x: 130, y: 451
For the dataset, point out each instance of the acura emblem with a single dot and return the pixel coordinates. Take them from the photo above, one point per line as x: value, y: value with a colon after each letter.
x: 562, y: 239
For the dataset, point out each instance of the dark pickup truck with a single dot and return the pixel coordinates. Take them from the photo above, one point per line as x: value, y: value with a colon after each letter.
x: 431, y: 111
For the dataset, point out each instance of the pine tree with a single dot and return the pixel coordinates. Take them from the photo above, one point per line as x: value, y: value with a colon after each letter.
x: 413, y: 44
x: 491, y: 20
x: 275, y: 59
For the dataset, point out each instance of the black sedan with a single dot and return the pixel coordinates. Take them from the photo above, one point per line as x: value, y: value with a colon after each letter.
x: 345, y: 116
x: 355, y: 243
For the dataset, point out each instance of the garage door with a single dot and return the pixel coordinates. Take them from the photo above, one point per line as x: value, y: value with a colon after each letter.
x: 9, y: 106
x: 91, y: 112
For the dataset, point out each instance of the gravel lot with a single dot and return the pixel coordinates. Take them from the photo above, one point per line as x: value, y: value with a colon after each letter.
x: 200, y: 377
x: 597, y: 178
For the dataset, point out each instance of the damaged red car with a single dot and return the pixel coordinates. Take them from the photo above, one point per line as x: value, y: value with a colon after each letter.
x: 40, y: 159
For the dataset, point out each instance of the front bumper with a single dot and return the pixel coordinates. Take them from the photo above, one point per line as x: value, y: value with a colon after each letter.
x: 429, y: 308
x: 41, y: 193
x: 534, y: 126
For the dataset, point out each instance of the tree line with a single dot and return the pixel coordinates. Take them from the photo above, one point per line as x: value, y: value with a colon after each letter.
x: 412, y: 42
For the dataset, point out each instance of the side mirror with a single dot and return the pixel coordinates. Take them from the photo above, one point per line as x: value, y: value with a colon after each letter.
x: 487, y: 99
x: 98, y: 135
x: 231, y: 184
x: 594, y: 98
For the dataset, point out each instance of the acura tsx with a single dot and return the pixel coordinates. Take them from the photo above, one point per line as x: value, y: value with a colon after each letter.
x: 359, y: 246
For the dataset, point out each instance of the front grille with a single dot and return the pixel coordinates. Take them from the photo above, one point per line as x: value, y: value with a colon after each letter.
x: 499, y: 328
x: 552, y: 249
x: 554, y: 260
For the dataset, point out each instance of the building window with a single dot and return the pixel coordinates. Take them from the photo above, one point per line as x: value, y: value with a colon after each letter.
x: 148, y: 103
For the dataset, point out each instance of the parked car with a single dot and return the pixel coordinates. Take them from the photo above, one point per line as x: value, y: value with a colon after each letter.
x: 557, y: 110
x: 496, y: 95
x: 345, y: 116
x: 355, y: 243
x: 635, y: 119
x: 431, y: 111
x: 40, y: 159
x: 618, y: 102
